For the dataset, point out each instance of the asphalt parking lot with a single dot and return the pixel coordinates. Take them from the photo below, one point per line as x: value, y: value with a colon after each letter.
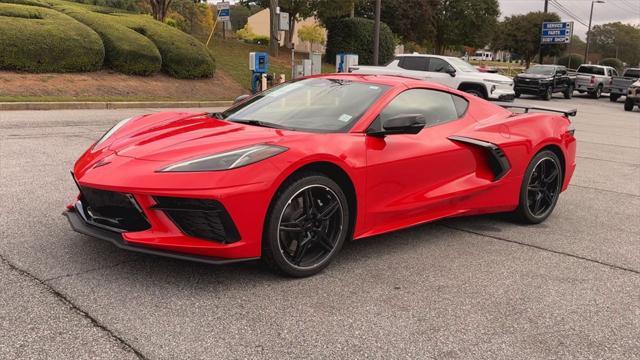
x: 479, y: 287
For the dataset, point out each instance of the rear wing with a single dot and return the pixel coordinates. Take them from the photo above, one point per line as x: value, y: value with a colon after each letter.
x: 526, y: 108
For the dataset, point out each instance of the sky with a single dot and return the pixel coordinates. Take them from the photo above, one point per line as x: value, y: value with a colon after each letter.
x: 627, y: 11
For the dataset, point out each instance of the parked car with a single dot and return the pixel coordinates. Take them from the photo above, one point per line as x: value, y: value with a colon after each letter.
x: 544, y: 81
x: 594, y: 79
x: 449, y: 71
x: 292, y: 173
x: 620, y: 84
x: 633, y: 96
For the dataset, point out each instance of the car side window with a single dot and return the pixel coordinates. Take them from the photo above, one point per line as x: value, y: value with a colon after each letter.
x: 417, y: 63
x: 438, y: 65
x: 437, y: 107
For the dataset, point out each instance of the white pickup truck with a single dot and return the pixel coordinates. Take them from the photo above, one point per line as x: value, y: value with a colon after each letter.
x: 450, y: 71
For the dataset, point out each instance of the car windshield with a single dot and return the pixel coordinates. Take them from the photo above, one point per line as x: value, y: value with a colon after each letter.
x: 595, y: 70
x: 541, y: 70
x: 462, y: 65
x: 316, y: 104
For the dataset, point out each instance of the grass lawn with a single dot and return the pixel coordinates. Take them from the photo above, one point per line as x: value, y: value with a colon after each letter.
x: 232, y: 56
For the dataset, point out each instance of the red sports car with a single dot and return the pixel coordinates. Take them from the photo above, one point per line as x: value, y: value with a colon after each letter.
x: 292, y: 173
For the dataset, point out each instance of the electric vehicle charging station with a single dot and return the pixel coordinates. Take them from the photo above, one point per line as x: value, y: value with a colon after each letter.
x: 344, y: 62
x: 259, y: 66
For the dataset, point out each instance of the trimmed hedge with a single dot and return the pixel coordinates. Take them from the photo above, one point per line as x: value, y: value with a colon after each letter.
x: 355, y: 35
x: 126, y: 50
x: 571, y: 61
x: 183, y: 56
x: 37, y: 39
x: 613, y: 62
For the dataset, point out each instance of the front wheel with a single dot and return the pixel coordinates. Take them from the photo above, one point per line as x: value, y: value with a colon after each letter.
x: 613, y: 98
x: 306, y: 226
x: 548, y: 94
x: 568, y: 93
x: 540, y: 188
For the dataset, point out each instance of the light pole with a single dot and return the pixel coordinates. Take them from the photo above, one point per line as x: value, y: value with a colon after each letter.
x: 586, y: 49
x: 376, y: 34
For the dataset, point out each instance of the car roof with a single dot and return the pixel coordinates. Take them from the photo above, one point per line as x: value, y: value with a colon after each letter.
x: 390, y: 80
x: 426, y: 55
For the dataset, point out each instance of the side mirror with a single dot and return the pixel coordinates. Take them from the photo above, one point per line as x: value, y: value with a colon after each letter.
x: 451, y: 71
x: 241, y: 98
x: 401, y: 124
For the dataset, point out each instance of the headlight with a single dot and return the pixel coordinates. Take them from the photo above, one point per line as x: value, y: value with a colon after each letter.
x: 227, y: 160
x: 112, y: 131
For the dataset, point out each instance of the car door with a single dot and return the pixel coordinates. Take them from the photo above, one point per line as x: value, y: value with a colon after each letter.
x: 439, y: 71
x: 415, y: 178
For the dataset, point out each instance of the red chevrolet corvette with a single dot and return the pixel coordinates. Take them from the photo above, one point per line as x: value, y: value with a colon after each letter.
x: 292, y: 173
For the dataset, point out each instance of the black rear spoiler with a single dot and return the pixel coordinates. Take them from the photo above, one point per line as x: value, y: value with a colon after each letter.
x: 526, y: 108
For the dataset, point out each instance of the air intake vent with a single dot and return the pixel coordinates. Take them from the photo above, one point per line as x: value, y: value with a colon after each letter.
x: 202, y: 218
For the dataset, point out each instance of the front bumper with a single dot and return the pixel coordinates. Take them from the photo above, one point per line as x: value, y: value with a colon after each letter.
x: 79, y: 224
x: 501, y: 92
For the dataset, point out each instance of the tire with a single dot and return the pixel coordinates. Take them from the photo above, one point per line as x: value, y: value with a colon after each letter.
x: 298, y: 241
x: 548, y: 94
x: 568, y: 92
x: 517, y: 94
x: 629, y: 104
x: 613, y: 98
x: 597, y: 92
x: 539, y: 196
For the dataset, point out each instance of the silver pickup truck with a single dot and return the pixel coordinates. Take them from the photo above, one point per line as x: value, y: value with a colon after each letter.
x: 594, y: 79
x: 620, y: 84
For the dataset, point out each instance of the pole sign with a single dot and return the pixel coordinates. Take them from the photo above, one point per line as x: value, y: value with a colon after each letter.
x: 556, y: 32
x: 283, y: 21
x: 224, y: 13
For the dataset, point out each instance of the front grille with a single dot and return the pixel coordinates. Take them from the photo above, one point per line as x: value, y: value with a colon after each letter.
x: 113, y: 209
x: 201, y: 218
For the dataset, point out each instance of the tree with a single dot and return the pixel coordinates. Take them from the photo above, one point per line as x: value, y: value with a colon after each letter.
x: 520, y: 34
x: 617, y: 40
x: 464, y: 22
x: 406, y: 18
x: 159, y: 8
x: 314, y: 34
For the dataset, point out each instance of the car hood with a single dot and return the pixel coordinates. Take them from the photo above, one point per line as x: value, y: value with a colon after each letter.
x: 488, y: 76
x: 177, y: 136
x: 533, y: 76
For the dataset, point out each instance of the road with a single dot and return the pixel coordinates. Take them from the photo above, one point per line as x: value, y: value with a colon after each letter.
x: 479, y: 287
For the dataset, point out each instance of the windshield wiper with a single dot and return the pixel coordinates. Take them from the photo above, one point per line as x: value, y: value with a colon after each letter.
x: 259, y: 123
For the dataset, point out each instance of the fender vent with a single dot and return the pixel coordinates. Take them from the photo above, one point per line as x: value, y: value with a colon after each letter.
x: 498, y: 162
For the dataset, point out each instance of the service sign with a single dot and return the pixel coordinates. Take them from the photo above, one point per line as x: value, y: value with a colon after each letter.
x: 224, y: 13
x: 556, y: 32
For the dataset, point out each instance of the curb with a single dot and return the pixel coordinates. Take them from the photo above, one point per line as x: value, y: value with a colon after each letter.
x: 104, y: 105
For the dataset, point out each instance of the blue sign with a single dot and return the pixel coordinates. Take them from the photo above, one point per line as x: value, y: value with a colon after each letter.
x: 556, y: 32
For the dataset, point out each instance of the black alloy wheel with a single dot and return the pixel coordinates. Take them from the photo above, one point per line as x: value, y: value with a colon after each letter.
x: 548, y: 94
x: 541, y: 188
x: 307, y: 226
x: 568, y: 93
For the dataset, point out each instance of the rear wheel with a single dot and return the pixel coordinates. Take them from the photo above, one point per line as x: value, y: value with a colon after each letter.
x: 540, y: 188
x: 306, y: 227
x: 517, y: 94
x: 597, y: 92
x: 613, y: 98
x: 628, y: 104
x: 568, y: 92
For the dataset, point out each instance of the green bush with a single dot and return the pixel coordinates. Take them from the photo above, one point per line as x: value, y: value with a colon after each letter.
x: 258, y: 39
x: 355, y: 35
x: 571, y: 61
x: 126, y: 51
x: 613, y: 62
x: 183, y: 56
x: 37, y: 39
